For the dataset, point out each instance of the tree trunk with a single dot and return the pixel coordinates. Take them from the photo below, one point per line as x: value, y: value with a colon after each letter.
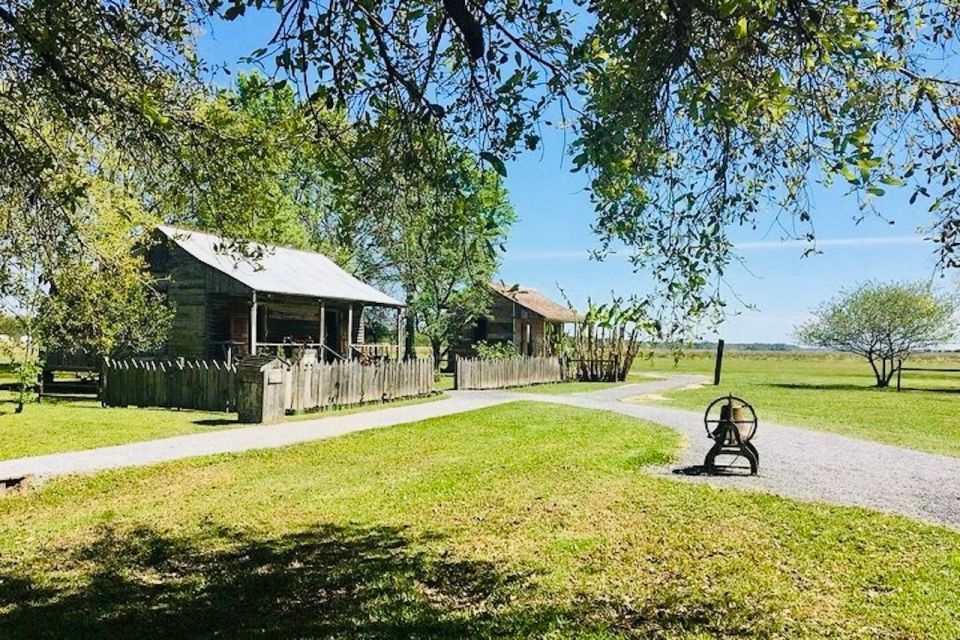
x: 437, y: 345
x: 876, y: 372
x: 890, y: 372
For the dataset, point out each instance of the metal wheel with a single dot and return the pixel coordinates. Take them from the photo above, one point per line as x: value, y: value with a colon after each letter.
x: 726, y: 409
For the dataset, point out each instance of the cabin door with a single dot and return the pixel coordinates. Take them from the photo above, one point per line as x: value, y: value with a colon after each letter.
x: 526, y: 339
x: 240, y: 330
x: 331, y: 331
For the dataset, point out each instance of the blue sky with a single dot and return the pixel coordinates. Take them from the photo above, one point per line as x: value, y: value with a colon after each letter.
x: 548, y: 247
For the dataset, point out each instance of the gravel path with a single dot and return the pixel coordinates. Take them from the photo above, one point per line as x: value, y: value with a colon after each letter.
x: 236, y: 439
x: 797, y: 463
x: 805, y: 464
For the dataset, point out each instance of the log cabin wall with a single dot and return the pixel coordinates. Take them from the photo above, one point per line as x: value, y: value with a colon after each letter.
x: 529, y: 334
x: 189, y: 284
x: 498, y: 326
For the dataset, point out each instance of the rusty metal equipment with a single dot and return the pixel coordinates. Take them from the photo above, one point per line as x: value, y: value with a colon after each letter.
x: 731, y: 423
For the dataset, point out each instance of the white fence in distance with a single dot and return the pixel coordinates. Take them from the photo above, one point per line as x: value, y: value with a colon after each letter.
x: 474, y: 373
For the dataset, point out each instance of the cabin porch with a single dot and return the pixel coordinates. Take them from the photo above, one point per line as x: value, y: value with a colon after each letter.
x: 271, y: 323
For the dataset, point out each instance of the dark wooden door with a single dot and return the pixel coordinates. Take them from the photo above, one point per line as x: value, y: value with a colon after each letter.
x: 331, y: 332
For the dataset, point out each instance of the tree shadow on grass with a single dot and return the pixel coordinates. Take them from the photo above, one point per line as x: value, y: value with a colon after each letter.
x: 327, y: 582
x: 217, y: 422
x: 820, y: 386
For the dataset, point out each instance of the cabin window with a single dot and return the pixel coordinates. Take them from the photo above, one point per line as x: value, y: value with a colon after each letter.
x: 480, y: 331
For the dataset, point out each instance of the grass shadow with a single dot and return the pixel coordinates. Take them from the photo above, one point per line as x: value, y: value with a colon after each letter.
x: 329, y: 581
x: 718, y: 470
x: 216, y: 422
x: 813, y: 386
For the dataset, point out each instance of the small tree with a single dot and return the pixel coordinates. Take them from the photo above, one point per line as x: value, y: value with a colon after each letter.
x: 610, y: 336
x: 884, y: 323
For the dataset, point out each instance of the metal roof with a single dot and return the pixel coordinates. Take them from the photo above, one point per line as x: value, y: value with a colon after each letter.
x: 280, y: 270
x: 537, y: 302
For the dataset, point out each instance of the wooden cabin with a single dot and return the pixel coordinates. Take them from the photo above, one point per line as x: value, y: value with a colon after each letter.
x: 228, y: 306
x: 519, y: 315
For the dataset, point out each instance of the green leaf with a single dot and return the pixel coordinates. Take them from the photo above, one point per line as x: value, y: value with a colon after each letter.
x: 740, y: 28
x: 234, y: 12
x: 495, y: 162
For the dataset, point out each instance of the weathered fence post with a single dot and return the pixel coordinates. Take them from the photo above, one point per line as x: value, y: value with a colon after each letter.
x: 718, y: 367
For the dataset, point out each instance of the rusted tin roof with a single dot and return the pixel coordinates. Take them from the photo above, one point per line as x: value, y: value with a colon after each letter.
x: 281, y: 270
x: 537, y: 303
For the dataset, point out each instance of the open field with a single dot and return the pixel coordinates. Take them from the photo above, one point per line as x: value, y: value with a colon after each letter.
x: 62, y: 425
x: 514, y: 521
x: 831, y: 392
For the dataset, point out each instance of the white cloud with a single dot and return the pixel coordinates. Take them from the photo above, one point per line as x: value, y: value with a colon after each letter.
x: 832, y: 242
x: 868, y: 241
x: 547, y: 254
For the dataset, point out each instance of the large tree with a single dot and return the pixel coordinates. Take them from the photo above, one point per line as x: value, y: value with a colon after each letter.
x: 688, y: 115
x: 883, y: 323
x: 443, y: 243
x: 431, y: 220
x: 103, y: 72
x: 75, y: 280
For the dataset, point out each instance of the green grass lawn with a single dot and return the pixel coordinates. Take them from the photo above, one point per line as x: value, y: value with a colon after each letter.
x: 566, y: 387
x: 515, y: 521
x: 446, y: 383
x: 833, y: 393
x: 59, y: 425
x: 56, y: 425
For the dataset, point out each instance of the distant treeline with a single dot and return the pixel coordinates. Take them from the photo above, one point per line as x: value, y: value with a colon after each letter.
x: 737, y: 346
x: 749, y: 346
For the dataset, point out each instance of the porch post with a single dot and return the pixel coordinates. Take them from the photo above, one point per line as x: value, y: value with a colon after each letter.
x: 322, y: 334
x: 253, y: 324
x: 399, y: 332
x: 350, y: 332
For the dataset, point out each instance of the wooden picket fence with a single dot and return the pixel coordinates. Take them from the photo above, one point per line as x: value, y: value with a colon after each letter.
x: 313, y: 385
x: 209, y: 385
x: 474, y: 373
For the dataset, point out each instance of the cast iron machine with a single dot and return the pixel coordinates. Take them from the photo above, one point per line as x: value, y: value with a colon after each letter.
x: 731, y: 423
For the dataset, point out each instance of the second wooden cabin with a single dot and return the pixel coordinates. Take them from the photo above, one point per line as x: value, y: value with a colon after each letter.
x: 521, y: 316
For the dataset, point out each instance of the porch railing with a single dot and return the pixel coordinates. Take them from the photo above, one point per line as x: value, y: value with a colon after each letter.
x: 377, y: 351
